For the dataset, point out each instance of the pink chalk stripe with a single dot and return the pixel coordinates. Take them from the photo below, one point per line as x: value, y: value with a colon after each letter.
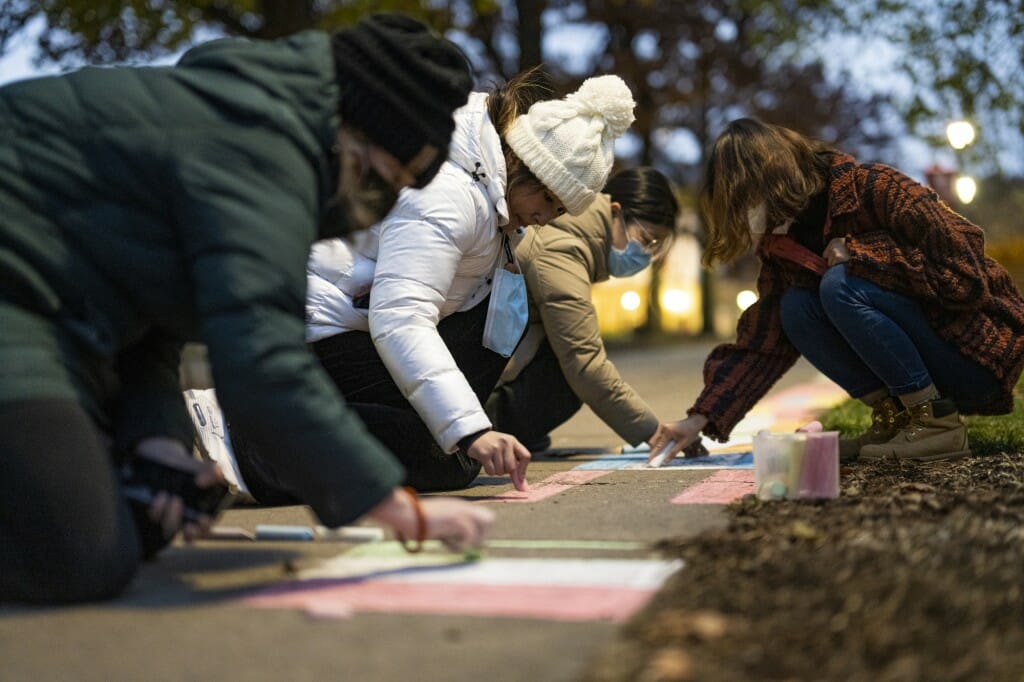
x: 732, y: 476
x: 721, y: 487
x: 548, y: 487
x: 547, y: 602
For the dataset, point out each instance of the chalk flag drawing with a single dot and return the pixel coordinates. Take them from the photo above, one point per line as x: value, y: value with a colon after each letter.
x: 638, y: 461
x: 549, y: 589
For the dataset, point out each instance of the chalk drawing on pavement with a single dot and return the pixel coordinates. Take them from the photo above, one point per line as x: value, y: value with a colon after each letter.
x: 727, y: 460
x: 721, y: 487
x: 547, y: 487
x: 394, y: 549
x: 548, y: 589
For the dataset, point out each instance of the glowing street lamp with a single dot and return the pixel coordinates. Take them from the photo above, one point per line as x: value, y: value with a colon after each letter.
x: 966, y: 188
x: 960, y: 134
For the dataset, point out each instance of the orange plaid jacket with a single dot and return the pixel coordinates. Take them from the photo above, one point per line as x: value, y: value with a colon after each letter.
x: 902, y: 237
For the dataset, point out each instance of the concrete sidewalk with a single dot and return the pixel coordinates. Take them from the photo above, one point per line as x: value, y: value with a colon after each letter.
x: 568, y: 562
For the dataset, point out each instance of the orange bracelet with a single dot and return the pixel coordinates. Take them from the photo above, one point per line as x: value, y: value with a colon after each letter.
x: 421, y: 525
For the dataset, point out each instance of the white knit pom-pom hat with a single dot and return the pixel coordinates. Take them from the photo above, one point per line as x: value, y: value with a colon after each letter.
x: 567, y: 143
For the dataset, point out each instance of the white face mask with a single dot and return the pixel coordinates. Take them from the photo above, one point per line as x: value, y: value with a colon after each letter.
x: 757, y: 218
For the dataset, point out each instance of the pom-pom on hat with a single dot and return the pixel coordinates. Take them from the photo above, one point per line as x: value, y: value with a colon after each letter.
x: 567, y: 143
x: 400, y: 83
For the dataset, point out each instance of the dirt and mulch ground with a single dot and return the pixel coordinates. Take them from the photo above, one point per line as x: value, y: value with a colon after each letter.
x: 916, y: 572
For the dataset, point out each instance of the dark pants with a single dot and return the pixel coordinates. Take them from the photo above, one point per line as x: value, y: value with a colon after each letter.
x: 66, y: 533
x: 534, y: 403
x: 866, y: 338
x: 353, y: 363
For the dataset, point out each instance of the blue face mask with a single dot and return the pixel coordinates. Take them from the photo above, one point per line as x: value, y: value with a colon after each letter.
x: 628, y: 261
x: 507, y: 313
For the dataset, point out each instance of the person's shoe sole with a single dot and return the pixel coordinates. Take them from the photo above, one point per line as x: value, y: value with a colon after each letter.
x: 938, y: 457
x: 924, y: 458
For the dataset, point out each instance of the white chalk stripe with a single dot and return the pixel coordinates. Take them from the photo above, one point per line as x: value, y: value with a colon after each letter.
x: 620, y: 573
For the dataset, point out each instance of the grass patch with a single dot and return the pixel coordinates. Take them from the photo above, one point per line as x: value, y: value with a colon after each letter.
x: 987, y: 435
x: 850, y: 418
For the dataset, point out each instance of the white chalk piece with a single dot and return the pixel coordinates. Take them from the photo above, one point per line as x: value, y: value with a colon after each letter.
x: 351, y: 533
x: 228, y: 533
x: 293, y: 533
x: 659, y: 459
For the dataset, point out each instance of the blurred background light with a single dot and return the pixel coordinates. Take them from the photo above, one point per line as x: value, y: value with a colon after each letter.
x: 745, y: 299
x: 677, y: 301
x: 960, y: 134
x: 630, y: 300
x: 966, y: 189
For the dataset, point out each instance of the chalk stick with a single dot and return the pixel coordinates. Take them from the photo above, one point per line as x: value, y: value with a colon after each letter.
x: 659, y: 459
x: 351, y: 533
x: 228, y: 533
x: 275, y: 532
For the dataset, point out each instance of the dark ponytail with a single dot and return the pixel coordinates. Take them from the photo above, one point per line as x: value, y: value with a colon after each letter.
x: 507, y: 102
x: 645, y: 194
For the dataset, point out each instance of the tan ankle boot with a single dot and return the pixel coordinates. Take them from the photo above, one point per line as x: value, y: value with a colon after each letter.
x: 887, y: 418
x: 934, y: 431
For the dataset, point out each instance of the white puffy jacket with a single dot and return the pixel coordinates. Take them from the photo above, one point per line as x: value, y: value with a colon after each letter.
x: 433, y: 255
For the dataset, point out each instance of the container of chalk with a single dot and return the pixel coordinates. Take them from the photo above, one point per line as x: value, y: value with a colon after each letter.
x: 803, y: 465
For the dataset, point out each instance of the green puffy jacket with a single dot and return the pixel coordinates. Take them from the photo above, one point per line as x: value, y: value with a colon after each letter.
x: 141, y: 207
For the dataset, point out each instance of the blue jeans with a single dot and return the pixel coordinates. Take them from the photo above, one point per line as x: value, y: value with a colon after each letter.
x: 866, y: 338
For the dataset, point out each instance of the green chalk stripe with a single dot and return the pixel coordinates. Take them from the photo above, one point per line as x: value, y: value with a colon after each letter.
x: 379, y: 549
x: 595, y: 545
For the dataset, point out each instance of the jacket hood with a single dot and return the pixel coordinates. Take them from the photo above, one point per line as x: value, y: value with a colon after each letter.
x: 476, y: 149
x: 297, y: 73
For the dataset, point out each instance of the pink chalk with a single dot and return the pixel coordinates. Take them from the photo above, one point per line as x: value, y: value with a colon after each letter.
x: 811, y: 427
x: 549, y: 487
x: 549, y: 602
x: 721, y: 487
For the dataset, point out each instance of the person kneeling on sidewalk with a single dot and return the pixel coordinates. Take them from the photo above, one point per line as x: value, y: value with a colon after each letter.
x: 561, y: 363
x: 146, y: 207
x: 871, y: 277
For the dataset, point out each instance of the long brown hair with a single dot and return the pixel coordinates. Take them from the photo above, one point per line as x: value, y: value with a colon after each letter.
x: 753, y: 162
x: 508, y: 102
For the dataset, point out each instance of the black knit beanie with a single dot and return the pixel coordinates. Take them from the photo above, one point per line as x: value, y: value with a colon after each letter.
x: 400, y: 83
